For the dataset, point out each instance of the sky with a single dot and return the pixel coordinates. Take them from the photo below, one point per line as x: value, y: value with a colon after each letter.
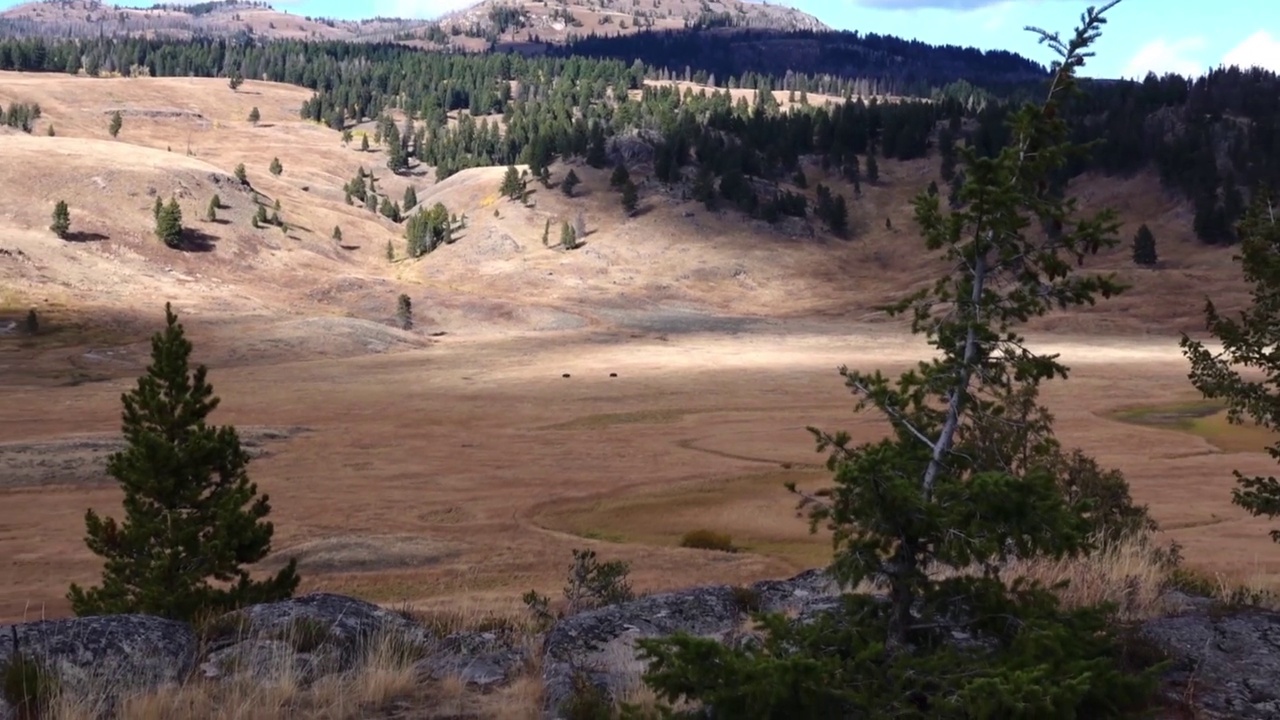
x: 1183, y: 36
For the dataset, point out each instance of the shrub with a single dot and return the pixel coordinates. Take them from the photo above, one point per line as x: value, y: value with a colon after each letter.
x: 707, y: 540
x: 29, y: 686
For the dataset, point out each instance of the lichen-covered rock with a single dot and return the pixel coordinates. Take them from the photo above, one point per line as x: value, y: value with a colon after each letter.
x: 1226, y: 661
x: 480, y: 659
x: 269, y: 661
x: 600, y: 644
x: 107, y: 654
x: 337, y: 623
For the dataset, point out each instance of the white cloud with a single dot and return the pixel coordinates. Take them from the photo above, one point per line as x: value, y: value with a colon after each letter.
x: 1259, y: 49
x: 1160, y: 57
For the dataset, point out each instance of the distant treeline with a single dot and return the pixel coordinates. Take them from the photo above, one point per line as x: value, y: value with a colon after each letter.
x: 1213, y: 139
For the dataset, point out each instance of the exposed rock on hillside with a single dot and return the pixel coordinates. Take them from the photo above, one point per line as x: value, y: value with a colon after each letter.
x: 1225, y: 661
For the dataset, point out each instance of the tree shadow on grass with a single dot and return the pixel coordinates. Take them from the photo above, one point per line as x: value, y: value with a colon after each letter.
x: 196, y: 240
x: 81, y: 237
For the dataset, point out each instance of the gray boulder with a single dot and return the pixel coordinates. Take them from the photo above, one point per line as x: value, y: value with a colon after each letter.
x: 480, y: 659
x: 1227, y: 661
x: 599, y: 645
x: 333, y: 629
x: 104, y: 656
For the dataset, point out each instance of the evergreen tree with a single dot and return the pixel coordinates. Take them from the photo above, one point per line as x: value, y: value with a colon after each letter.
x: 391, y: 251
x: 512, y: 187
x: 211, y: 213
x: 116, y: 123
x: 546, y: 233
x: 1246, y: 372
x: 50, y: 131
x: 61, y: 220
x: 629, y: 197
x: 619, y: 177
x: 569, y: 183
x: 169, y: 224
x: 193, y: 519
x: 404, y: 312
x: 234, y: 81
x: 156, y: 207
x: 241, y: 175
x: 337, y: 233
x: 276, y: 168
x: 971, y: 476
x: 346, y: 137
x: 254, y: 115
x: 260, y: 215
x: 800, y: 180
x: 410, y: 198
x: 33, y: 322
x: 568, y: 240
x: 1144, y: 247
x: 364, y: 143
x: 873, y: 168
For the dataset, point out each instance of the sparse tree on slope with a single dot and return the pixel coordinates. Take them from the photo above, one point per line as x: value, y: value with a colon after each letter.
x: 235, y: 81
x: 116, y: 123
x: 1249, y: 345
x: 169, y: 224
x: 241, y: 175
x: 629, y: 197
x: 970, y: 477
x: 568, y: 239
x: 276, y: 168
x: 512, y: 186
x: 1144, y: 247
x: 211, y: 213
x: 410, y: 198
x: 337, y: 233
x: 569, y: 183
x: 193, y: 520
x: 254, y: 115
x: 404, y: 312
x: 61, y: 219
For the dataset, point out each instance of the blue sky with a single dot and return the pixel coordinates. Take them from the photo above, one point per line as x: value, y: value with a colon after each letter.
x: 1143, y: 35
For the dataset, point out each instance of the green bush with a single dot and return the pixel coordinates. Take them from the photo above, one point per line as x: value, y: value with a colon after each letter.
x: 29, y: 686
x: 708, y: 540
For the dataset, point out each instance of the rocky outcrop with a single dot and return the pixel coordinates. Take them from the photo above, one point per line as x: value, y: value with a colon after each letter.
x: 1226, y: 661
x: 116, y: 651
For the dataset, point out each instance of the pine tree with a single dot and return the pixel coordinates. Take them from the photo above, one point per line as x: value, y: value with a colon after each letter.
x: 410, y: 198
x: 276, y: 168
x: 512, y: 187
x: 546, y: 233
x: 169, y: 224
x: 873, y: 168
x: 619, y: 177
x: 971, y: 476
x: 337, y: 233
x: 234, y: 81
x: 116, y: 123
x: 193, y: 519
x: 33, y: 322
x: 629, y: 197
x: 569, y: 183
x: 61, y: 220
x: 240, y: 174
x: 1144, y: 247
x: 364, y: 142
x: 404, y: 312
x: 156, y: 207
x: 568, y: 240
x: 254, y: 115
x: 50, y: 131
x: 1246, y: 372
x: 391, y: 251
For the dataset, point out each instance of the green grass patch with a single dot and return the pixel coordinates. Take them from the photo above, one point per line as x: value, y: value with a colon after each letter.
x: 1203, y: 418
x: 755, y: 510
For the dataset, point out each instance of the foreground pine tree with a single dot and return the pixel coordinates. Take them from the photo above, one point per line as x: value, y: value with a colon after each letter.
x: 193, y: 519
x: 61, y: 220
x: 970, y: 479
x: 1248, y: 348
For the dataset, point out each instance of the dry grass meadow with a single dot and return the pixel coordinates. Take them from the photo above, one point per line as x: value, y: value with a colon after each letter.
x: 454, y: 466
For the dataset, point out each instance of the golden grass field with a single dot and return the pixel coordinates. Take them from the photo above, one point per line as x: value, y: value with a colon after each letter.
x: 456, y: 471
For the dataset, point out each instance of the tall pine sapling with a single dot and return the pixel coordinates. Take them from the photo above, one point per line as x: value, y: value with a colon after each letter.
x: 1248, y: 345
x: 1144, y: 247
x: 933, y: 514
x: 569, y: 183
x: 193, y: 519
x: 61, y: 220
x: 116, y: 123
x: 404, y: 312
x: 254, y: 115
x: 275, y: 168
x: 169, y: 224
